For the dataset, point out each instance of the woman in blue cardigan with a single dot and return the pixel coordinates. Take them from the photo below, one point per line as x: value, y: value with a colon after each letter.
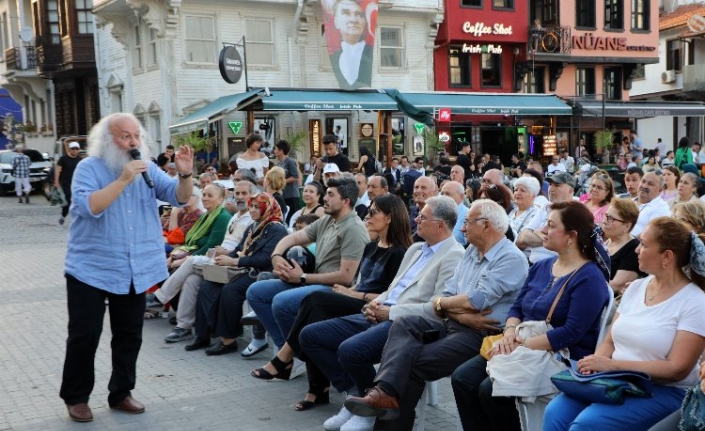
x: 583, y: 263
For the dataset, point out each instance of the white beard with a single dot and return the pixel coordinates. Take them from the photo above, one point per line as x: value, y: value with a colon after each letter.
x: 116, y: 158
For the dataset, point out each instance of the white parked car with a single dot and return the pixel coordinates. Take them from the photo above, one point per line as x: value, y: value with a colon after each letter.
x: 37, y: 170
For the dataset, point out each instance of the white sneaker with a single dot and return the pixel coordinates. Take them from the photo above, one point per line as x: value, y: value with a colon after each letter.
x: 359, y: 423
x: 334, y: 423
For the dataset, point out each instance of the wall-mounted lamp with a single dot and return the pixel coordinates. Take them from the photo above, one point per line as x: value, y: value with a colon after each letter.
x: 516, y: 51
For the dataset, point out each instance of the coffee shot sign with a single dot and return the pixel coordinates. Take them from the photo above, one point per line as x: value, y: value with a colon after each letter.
x: 230, y: 65
x: 479, y: 29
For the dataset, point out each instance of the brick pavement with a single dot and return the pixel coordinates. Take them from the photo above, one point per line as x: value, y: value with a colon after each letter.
x: 181, y: 390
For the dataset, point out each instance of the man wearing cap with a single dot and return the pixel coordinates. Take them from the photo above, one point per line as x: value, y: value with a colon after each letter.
x: 330, y: 170
x: 63, y: 174
x: 330, y: 146
x: 561, y: 186
x: 20, y: 170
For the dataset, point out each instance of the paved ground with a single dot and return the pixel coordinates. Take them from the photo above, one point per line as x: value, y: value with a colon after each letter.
x: 182, y: 390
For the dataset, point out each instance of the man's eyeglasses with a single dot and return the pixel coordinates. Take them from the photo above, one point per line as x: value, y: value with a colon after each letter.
x: 423, y: 218
x: 487, y: 181
x: 610, y: 219
x: 127, y: 137
x: 470, y: 221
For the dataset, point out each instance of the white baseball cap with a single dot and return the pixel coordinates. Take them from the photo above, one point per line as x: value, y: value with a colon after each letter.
x: 330, y: 168
x: 74, y: 145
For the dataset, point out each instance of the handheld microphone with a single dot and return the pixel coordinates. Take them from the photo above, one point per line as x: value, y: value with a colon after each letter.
x: 135, y: 154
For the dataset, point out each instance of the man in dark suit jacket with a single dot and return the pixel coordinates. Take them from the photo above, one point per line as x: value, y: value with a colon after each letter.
x: 352, y: 63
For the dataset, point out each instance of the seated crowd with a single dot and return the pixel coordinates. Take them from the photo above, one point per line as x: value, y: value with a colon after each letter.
x: 438, y: 273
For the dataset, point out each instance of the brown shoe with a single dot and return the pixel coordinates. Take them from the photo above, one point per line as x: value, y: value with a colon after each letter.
x: 129, y: 405
x: 376, y: 402
x: 80, y: 412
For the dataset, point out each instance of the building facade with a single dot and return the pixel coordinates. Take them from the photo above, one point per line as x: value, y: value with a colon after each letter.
x: 159, y: 60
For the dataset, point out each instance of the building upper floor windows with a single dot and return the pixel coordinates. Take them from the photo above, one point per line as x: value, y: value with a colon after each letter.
x: 641, y: 14
x: 459, y: 67
x: 545, y: 11
x: 585, y: 13
x: 471, y: 3
x: 200, y: 39
x: 84, y: 16
x: 491, y: 70
x: 503, y: 4
x: 614, y: 15
x: 585, y: 82
x: 674, y: 55
x: 391, y: 47
x: 613, y: 83
x: 260, y: 42
x: 534, y: 81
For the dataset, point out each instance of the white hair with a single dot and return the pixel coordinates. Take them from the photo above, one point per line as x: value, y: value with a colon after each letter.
x: 101, y: 143
x: 444, y: 209
x: 531, y: 184
x: 494, y: 213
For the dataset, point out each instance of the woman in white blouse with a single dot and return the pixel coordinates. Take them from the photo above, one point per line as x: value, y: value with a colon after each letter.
x: 253, y: 158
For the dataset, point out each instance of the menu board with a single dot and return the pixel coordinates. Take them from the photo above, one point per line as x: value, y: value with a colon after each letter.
x: 550, y: 145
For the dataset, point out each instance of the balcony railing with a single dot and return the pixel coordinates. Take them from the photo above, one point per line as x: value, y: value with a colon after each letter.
x: 21, y: 58
x: 550, y: 40
x: 694, y: 78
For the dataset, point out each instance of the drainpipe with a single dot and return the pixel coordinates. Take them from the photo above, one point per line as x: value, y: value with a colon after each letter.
x: 297, y: 14
x: 294, y: 27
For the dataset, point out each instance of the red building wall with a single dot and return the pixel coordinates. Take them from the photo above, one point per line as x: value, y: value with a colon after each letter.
x: 484, y: 25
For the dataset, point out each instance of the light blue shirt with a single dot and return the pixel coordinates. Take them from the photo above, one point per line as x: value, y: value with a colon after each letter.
x: 493, y: 281
x: 427, y: 253
x: 457, y: 233
x: 123, y: 244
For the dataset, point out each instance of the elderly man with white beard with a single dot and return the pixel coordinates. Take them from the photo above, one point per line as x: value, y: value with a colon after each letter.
x: 115, y: 252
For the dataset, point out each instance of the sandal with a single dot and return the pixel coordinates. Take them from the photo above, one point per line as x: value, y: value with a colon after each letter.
x: 283, y: 370
x: 321, y: 398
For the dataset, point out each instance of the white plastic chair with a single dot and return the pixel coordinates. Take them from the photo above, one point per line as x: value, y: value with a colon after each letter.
x: 531, y: 414
x: 430, y: 397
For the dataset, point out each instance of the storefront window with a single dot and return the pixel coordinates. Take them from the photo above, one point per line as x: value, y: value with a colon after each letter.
x: 585, y: 13
x: 459, y: 67
x: 613, y: 83
x: 614, y: 14
x: 491, y: 70
x: 585, y: 82
x: 640, y: 14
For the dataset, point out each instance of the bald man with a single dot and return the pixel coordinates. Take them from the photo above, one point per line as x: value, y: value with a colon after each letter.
x: 455, y: 191
x: 424, y: 188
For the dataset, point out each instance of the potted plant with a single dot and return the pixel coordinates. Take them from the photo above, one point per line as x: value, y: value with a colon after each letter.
x: 604, y: 141
x: 296, y: 139
x: 432, y: 145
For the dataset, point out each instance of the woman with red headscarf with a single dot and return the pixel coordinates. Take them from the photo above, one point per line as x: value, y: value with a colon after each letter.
x: 219, y: 306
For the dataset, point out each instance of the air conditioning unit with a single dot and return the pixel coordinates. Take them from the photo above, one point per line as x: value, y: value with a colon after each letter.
x: 668, y: 76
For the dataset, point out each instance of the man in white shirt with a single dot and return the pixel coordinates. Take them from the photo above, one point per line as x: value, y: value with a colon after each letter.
x: 650, y: 203
x: 567, y: 161
x: 698, y: 155
x: 661, y: 147
x: 555, y: 166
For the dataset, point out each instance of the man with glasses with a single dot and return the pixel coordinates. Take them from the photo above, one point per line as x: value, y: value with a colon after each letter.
x: 63, y: 174
x: 115, y: 253
x: 492, y: 177
x: 651, y: 205
x: 347, y: 348
x: 561, y: 187
x: 473, y: 303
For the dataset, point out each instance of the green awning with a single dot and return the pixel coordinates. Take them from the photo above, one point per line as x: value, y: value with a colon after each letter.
x: 326, y: 100
x: 640, y: 109
x: 213, y: 111
x: 486, y: 103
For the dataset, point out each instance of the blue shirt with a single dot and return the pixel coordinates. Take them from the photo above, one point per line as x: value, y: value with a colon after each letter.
x: 427, y: 253
x: 492, y: 281
x: 457, y: 233
x: 123, y: 244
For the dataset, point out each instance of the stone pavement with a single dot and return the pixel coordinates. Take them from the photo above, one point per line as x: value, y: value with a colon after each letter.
x: 181, y: 390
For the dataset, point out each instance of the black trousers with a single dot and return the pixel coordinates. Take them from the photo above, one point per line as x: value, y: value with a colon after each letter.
x: 86, y: 310
x: 67, y: 194
x: 317, y: 307
x: 219, y: 309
